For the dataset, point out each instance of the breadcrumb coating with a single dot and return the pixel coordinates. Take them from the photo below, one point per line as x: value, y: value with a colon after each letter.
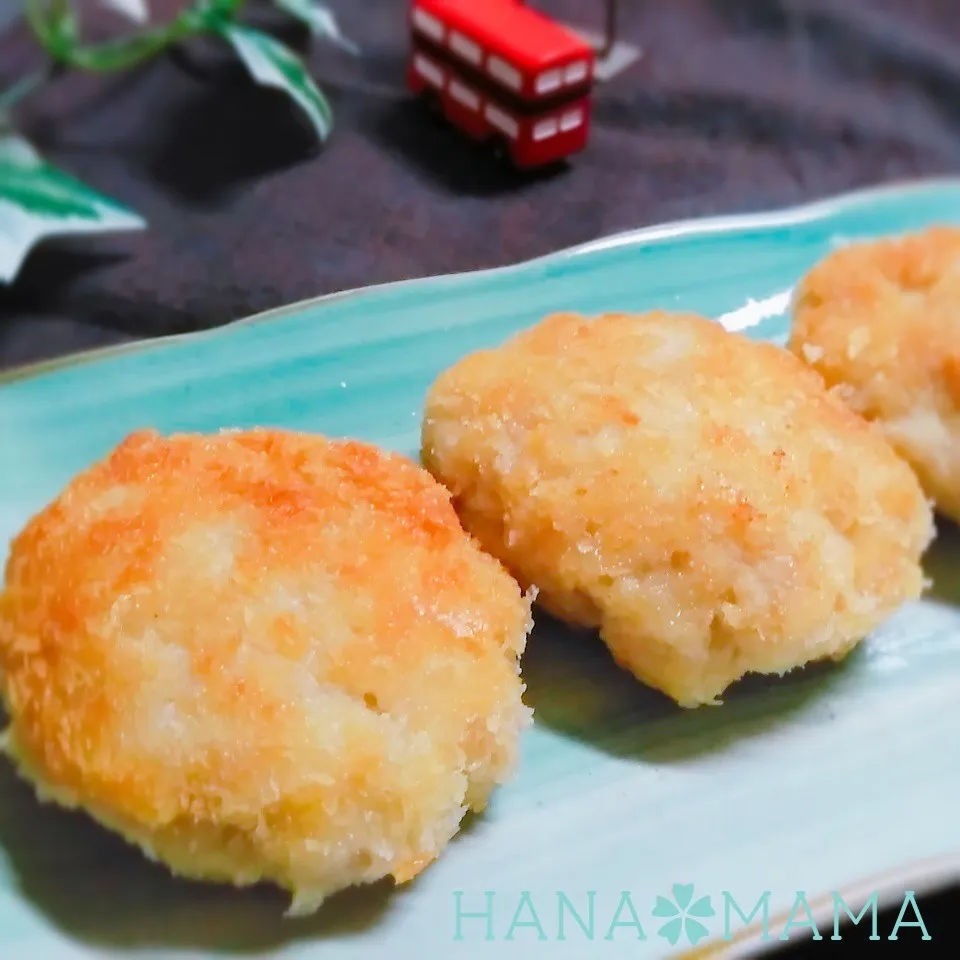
x: 880, y: 321
x: 699, y: 498
x: 263, y: 656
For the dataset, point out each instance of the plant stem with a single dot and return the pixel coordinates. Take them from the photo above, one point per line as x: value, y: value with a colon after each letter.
x: 53, y: 27
x: 127, y: 52
x: 22, y: 88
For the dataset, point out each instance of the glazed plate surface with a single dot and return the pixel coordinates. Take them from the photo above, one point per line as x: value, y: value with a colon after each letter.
x: 841, y: 779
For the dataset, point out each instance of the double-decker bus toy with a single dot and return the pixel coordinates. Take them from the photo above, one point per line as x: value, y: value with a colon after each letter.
x: 505, y: 74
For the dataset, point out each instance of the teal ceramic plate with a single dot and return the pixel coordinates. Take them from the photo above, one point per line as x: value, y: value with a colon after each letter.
x: 670, y: 823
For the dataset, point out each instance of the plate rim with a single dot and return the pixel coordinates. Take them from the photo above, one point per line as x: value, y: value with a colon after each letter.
x: 923, y: 876
x: 809, y: 210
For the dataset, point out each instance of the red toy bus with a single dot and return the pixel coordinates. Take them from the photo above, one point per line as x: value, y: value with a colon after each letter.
x: 505, y: 73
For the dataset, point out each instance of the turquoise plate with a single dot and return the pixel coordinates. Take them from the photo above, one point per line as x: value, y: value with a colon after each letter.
x: 832, y: 780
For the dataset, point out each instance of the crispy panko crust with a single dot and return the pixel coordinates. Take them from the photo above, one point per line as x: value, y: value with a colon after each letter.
x: 263, y: 656
x: 700, y: 498
x: 880, y: 321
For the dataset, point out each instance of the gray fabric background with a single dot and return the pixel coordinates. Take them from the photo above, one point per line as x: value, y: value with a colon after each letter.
x: 8, y: 10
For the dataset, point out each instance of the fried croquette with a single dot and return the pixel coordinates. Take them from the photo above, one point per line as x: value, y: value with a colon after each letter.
x: 263, y: 656
x: 880, y: 321
x: 699, y: 498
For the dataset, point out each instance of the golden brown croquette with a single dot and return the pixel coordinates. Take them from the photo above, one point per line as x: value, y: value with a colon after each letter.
x: 880, y: 321
x: 263, y: 656
x: 698, y: 497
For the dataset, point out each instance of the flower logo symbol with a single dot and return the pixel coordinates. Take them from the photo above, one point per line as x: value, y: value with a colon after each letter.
x: 683, y: 909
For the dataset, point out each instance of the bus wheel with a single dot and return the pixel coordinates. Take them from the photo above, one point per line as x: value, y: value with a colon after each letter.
x: 501, y: 152
x: 434, y: 105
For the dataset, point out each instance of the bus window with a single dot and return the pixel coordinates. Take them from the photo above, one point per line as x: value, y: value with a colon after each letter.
x: 545, y: 129
x: 428, y: 70
x: 428, y: 24
x: 466, y: 48
x: 549, y: 80
x: 501, y: 70
x: 571, y: 120
x: 502, y: 121
x: 576, y: 72
x: 464, y: 95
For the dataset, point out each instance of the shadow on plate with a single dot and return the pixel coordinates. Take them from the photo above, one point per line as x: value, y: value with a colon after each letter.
x: 98, y: 890
x: 577, y: 690
x: 941, y: 564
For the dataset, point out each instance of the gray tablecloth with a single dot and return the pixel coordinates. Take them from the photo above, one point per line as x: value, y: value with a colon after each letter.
x: 736, y: 104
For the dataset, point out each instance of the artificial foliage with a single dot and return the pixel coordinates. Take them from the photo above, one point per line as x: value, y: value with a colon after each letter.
x: 38, y: 200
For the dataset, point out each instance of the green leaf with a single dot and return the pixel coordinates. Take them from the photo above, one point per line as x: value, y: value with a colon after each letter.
x: 319, y: 19
x: 271, y: 64
x: 122, y: 53
x: 63, y: 31
x: 39, y: 201
x: 213, y: 15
